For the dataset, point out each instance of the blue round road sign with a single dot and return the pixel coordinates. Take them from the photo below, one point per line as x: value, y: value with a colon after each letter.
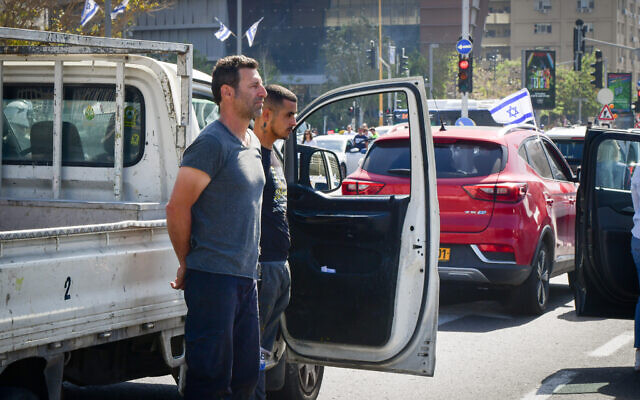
x: 462, y: 121
x: 464, y: 46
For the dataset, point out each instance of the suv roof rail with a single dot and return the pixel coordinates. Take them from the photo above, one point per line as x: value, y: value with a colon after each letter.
x: 512, y: 128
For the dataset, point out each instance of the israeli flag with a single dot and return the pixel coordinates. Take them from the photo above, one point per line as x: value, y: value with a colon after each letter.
x: 251, y: 32
x: 120, y: 9
x: 223, y: 33
x: 90, y: 9
x: 513, y: 109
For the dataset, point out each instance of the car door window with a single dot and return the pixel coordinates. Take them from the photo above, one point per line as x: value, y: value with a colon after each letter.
x: 558, y: 169
x: 537, y: 159
x: 614, y: 163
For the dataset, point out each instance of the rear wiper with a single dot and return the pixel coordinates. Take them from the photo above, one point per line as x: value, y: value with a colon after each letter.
x: 400, y: 171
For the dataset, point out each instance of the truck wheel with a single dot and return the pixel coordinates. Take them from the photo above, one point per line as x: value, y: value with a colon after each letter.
x: 534, y: 292
x: 16, y: 393
x: 302, y: 382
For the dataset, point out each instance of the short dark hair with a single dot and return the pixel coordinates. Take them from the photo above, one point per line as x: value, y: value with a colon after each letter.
x: 277, y: 93
x: 226, y: 72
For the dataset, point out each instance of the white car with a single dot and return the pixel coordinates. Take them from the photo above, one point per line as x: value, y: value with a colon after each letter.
x: 342, y: 145
x: 570, y: 141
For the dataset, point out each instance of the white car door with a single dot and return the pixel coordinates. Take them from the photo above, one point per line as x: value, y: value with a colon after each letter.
x: 364, y: 268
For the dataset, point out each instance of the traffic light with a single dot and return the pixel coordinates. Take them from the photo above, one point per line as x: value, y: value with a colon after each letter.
x: 636, y: 105
x: 404, y: 63
x: 465, y: 74
x: 372, y: 55
x: 597, y: 71
x: 579, y: 32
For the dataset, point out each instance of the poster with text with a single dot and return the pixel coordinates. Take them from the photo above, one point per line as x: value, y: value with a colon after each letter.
x: 620, y: 85
x: 540, y: 77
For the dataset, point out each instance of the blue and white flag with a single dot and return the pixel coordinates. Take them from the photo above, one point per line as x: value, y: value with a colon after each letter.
x: 90, y: 9
x: 223, y: 33
x: 120, y: 9
x: 251, y: 32
x: 513, y: 109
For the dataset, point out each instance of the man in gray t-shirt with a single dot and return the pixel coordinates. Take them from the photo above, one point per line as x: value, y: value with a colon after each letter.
x: 213, y: 219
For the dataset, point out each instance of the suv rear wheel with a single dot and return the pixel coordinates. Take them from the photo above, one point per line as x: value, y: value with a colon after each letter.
x: 533, y: 296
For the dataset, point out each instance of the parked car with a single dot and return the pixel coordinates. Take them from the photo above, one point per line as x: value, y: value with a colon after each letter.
x: 606, y: 283
x: 569, y: 141
x: 507, y: 205
x: 343, y: 146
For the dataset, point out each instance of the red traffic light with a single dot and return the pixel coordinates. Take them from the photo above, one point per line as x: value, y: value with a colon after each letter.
x: 639, y: 93
x: 463, y: 64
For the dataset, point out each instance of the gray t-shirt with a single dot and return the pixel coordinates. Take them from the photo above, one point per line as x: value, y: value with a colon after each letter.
x: 225, y: 220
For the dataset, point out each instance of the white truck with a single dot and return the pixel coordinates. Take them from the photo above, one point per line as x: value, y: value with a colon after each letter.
x: 92, y: 137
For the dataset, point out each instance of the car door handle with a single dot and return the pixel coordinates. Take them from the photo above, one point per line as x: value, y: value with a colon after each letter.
x: 549, y: 201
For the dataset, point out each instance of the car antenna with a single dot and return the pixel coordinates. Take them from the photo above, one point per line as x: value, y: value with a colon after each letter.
x: 442, y: 128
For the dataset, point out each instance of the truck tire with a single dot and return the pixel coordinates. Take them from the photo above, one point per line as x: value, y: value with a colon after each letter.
x: 16, y: 393
x: 302, y: 382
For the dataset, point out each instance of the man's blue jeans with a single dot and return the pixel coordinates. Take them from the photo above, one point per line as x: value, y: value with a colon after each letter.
x: 221, y: 335
x: 635, y: 251
x: 273, y: 298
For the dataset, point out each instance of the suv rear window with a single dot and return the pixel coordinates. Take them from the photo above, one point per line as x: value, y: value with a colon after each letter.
x: 453, y: 160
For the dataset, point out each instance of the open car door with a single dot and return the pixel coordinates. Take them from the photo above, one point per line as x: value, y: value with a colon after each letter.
x: 364, y: 279
x: 606, y: 282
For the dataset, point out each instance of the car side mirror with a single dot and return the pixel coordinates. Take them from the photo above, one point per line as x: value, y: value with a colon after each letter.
x: 319, y: 169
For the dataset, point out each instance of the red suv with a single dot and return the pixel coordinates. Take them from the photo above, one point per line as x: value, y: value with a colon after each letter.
x: 507, y: 205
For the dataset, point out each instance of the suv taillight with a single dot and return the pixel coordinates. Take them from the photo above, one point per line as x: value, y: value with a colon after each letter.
x: 361, y: 187
x: 501, y: 192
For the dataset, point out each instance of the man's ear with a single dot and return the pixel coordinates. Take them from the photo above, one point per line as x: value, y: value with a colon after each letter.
x: 226, y: 91
x: 267, y: 114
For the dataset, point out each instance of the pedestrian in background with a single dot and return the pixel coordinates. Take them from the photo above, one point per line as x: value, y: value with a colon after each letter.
x: 213, y: 219
x: 276, y: 122
x: 635, y: 251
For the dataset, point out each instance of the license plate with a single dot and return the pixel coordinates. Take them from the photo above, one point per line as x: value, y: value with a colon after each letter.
x: 444, y: 254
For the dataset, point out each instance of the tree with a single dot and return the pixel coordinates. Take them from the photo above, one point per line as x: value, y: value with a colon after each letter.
x: 64, y: 15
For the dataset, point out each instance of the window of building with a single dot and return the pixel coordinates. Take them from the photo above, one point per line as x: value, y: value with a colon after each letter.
x: 585, y: 5
x: 542, y: 6
x: 589, y: 26
x: 88, y: 125
x: 541, y: 28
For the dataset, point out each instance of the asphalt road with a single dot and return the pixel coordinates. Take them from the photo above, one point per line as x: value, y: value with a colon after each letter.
x: 483, y: 352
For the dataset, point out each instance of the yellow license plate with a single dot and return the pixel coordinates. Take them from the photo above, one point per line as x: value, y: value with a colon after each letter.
x: 445, y: 254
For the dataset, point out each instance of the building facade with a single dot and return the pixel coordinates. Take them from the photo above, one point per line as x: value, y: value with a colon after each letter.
x: 517, y: 25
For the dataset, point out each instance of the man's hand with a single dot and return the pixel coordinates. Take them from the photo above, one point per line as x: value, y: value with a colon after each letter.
x: 178, y: 284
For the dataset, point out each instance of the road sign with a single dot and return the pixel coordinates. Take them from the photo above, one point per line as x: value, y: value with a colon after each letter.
x: 463, y: 121
x: 464, y: 46
x: 605, y: 114
x: 605, y: 96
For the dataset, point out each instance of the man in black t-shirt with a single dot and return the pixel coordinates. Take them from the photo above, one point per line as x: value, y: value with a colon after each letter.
x: 276, y: 122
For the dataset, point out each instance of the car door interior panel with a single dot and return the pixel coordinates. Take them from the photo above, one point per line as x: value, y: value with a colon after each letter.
x: 342, y: 257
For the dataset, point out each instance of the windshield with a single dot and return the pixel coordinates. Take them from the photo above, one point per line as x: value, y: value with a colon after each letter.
x: 333, y: 145
x: 449, y: 117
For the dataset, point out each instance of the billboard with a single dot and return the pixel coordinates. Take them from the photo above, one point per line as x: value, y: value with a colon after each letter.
x: 539, y: 68
x: 620, y: 85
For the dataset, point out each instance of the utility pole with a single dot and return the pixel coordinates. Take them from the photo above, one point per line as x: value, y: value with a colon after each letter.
x: 431, y: 47
x: 107, y: 18
x: 380, y: 118
x: 464, y: 112
x: 239, y: 24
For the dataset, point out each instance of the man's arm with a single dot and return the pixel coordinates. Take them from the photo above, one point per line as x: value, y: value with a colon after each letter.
x: 189, y: 185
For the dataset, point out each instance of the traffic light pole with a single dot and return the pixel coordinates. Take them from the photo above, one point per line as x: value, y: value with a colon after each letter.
x: 464, y: 109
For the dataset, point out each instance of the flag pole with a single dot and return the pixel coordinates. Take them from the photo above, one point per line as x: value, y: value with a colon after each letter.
x: 107, y: 17
x: 239, y: 37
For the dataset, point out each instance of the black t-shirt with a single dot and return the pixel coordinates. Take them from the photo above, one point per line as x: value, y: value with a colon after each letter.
x: 274, y: 239
x: 360, y: 141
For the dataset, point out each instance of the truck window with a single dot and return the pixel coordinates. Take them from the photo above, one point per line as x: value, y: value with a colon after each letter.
x: 88, y: 115
x: 206, y: 110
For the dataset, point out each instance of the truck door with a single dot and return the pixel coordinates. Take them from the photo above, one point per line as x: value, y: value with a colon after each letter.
x: 606, y: 280
x: 364, y: 268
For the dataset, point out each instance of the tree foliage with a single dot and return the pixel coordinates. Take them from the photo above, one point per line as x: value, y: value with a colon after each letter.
x: 64, y: 16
